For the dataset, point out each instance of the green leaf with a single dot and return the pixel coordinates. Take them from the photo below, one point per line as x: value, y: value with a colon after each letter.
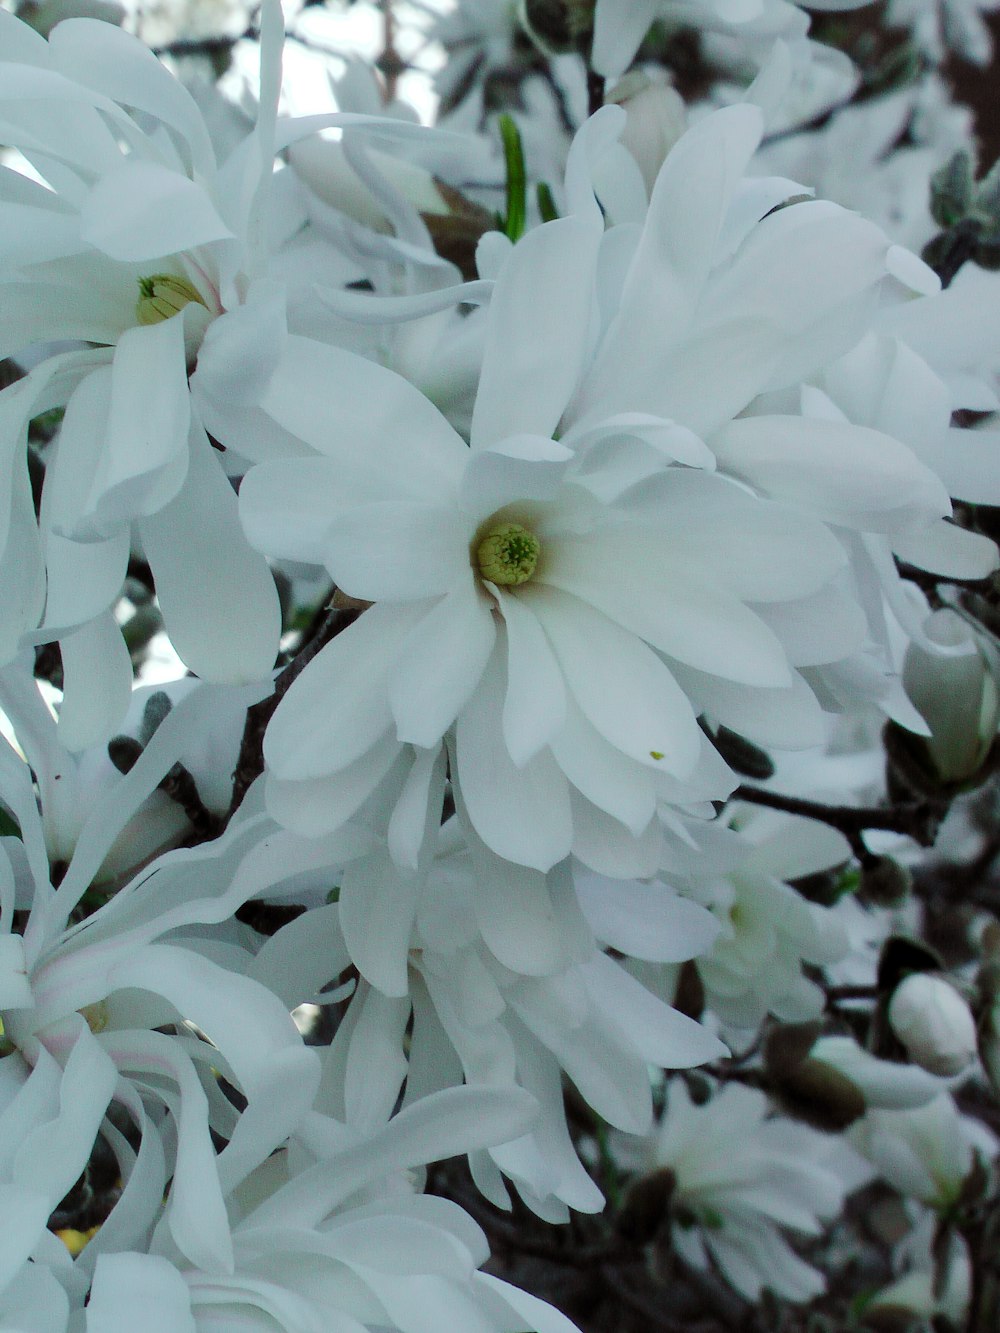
x: 513, y: 152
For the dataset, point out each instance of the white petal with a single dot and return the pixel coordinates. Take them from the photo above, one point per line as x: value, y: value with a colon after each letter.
x: 396, y: 551
x: 141, y: 212
x: 98, y: 683
x: 523, y: 814
x: 537, y: 329
x: 621, y: 686
x: 125, y: 1283
x: 535, y: 707
x: 440, y: 662
x: 380, y: 429
x: 217, y: 595
x: 634, y: 580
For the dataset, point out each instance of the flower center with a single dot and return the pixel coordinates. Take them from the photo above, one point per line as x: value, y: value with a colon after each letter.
x: 163, y: 295
x: 508, y: 554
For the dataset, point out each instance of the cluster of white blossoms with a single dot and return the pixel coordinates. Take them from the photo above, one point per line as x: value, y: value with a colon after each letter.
x: 502, y: 533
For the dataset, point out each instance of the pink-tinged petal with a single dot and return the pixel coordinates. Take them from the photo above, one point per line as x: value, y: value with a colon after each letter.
x: 535, y: 707
x: 125, y: 1283
x: 141, y: 212
x: 605, y: 776
x: 397, y: 551
x: 519, y: 468
x: 439, y: 664
x: 319, y: 805
x: 648, y: 921
x: 338, y: 708
x: 51, y: 1157
x: 378, y: 904
x: 144, y: 453
x: 196, y: 1211
x: 379, y: 429
x: 522, y: 814
x: 537, y: 331
x: 217, y: 595
x: 846, y: 474
x: 621, y: 686
x: 788, y: 717
x: 98, y: 683
x: 627, y: 575
x: 112, y: 62
x: 418, y: 811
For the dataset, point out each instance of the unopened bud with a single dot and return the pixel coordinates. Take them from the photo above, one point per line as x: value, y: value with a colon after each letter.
x: 884, y: 882
x: 657, y: 117
x: 934, y: 1023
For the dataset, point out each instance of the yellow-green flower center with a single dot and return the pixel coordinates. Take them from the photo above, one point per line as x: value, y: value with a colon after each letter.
x: 163, y: 295
x: 508, y: 554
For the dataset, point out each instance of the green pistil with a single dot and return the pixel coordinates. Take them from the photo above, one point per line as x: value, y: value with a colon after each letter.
x: 163, y: 295
x: 508, y: 554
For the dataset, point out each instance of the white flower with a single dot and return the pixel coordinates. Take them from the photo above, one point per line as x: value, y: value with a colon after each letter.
x: 620, y: 25
x: 140, y: 244
x: 942, y: 25
x: 568, y: 605
x: 507, y: 977
x: 934, y: 1023
x: 83, y: 1004
x: 341, y: 1244
x: 926, y: 1151
x: 768, y: 930
x: 739, y: 1178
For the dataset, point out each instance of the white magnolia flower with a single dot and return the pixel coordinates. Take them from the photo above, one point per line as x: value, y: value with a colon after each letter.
x: 84, y: 1003
x: 767, y: 929
x: 508, y: 979
x: 136, y: 241
x: 940, y: 26
x: 620, y: 25
x: 739, y: 1178
x: 561, y: 608
x: 925, y: 1151
x: 934, y: 1023
x: 342, y: 1244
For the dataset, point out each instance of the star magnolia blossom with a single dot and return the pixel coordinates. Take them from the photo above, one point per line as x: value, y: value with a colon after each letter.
x: 80, y: 1003
x: 560, y: 609
x: 343, y: 1245
x: 506, y: 975
x: 741, y: 1176
x: 620, y: 25
x: 139, y: 243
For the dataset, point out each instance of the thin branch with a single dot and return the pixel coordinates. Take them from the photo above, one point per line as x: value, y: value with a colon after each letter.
x: 918, y: 820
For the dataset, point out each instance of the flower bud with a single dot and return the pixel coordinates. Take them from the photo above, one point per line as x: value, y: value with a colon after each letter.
x: 657, y: 118
x: 934, y: 1023
x: 956, y: 694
